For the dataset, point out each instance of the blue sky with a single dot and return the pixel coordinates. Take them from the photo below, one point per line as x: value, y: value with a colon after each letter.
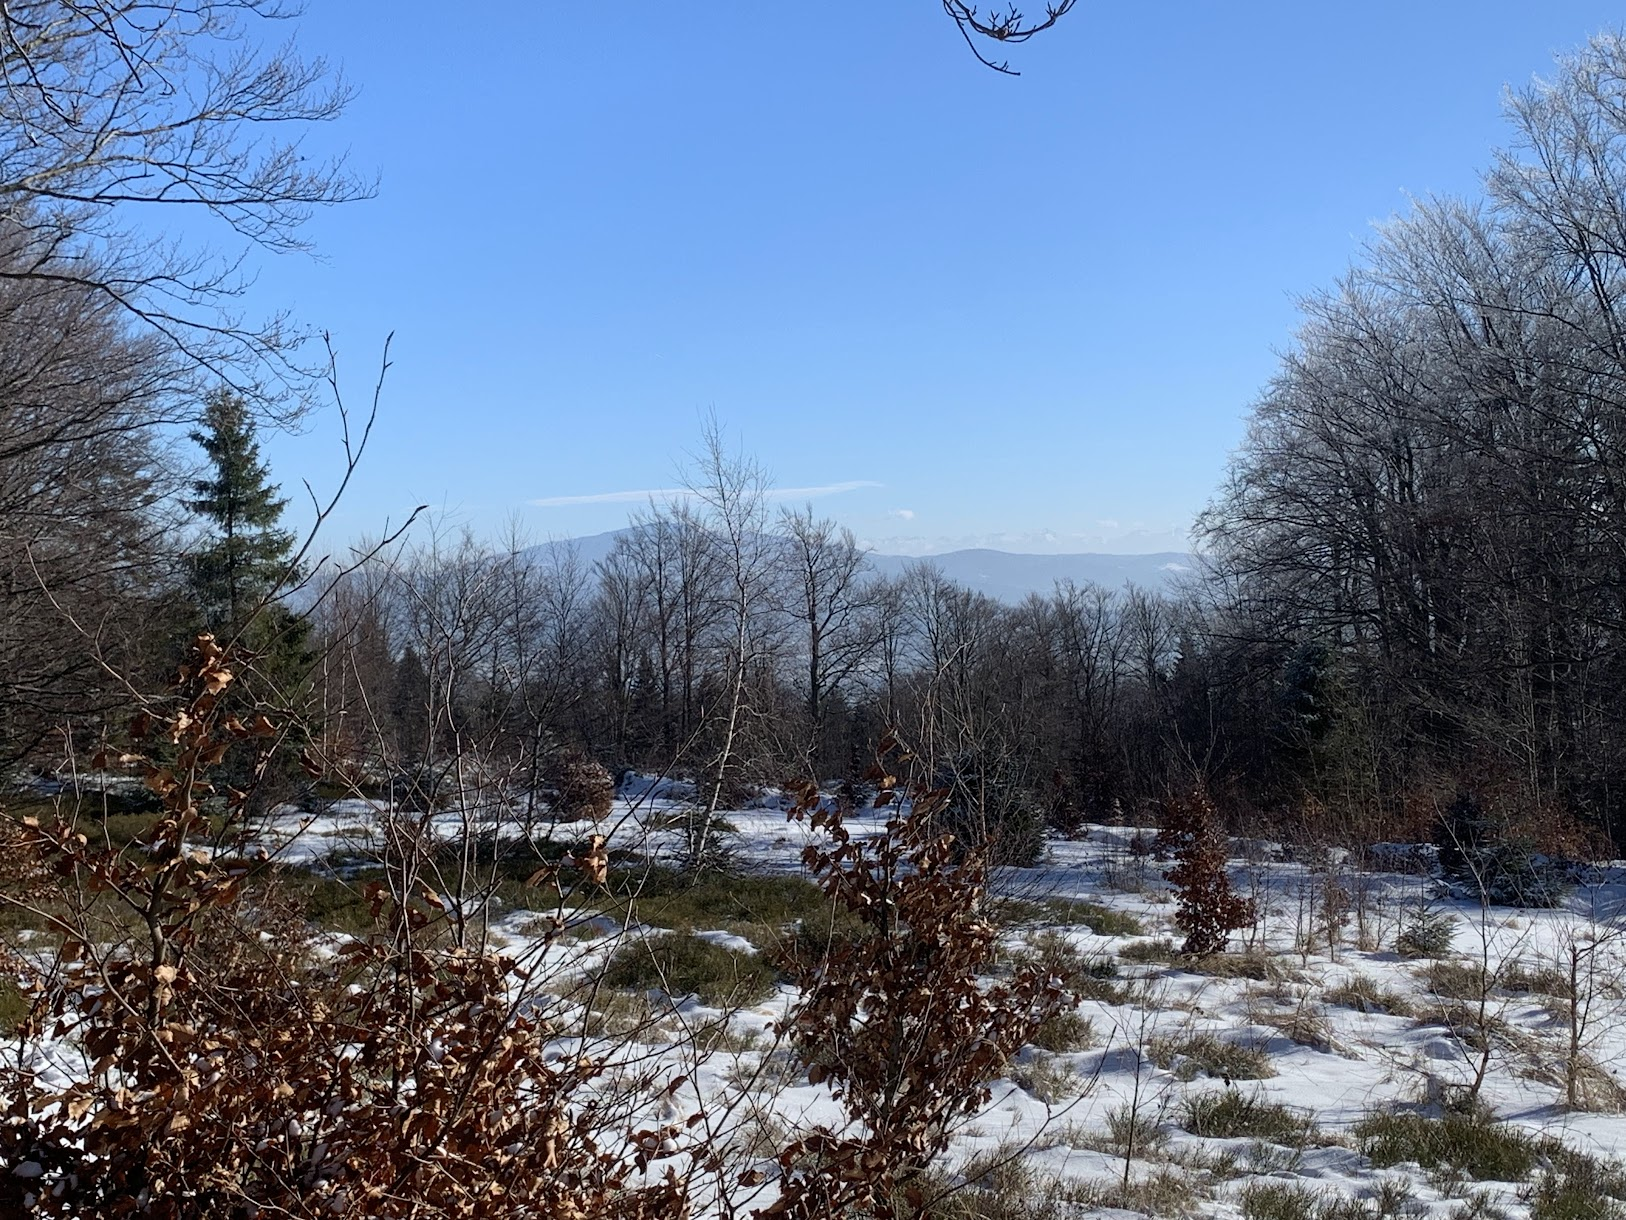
x: 957, y: 307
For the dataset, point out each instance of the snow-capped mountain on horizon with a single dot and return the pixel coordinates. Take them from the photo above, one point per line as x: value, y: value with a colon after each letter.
x: 1006, y: 575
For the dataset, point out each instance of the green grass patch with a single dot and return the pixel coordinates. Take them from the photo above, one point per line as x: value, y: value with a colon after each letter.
x: 766, y: 910
x: 1068, y: 912
x: 1234, y: 1115
x: 1575, y: 1186
x: 1279, y: 1201
x: 681, y: 964
x: 13, y: 1005
x: 1468, y: 1144
x: 331, y: 903
x: 1159, y: 951
x: 1065, y: 1032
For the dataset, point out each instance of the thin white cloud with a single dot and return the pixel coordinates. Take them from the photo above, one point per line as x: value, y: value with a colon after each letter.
x: 903, y: 514
x: 829, y: 489
x: 612, y: 497
x: 682, y: 493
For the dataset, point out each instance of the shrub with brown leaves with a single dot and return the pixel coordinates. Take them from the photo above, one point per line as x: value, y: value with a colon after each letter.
x: 232, y: 1074
x: 1209, y: 908
x: 896, y: 1022
x: 585, y: 788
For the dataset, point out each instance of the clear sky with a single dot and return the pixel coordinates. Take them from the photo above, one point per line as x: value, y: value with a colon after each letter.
x: 962, y: 308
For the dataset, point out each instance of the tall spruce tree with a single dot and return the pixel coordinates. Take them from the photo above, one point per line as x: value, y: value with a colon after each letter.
x: 249, y: 554
x: 236, y: 574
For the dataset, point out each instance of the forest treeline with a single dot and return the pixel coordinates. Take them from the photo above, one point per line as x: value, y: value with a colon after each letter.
x: 1413, y: 580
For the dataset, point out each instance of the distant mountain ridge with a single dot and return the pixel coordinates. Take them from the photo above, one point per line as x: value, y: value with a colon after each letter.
x: 1010, y: 576
x: 1006, y: 575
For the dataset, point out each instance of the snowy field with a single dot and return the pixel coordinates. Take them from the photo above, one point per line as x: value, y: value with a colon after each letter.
x: 1244, y: 1085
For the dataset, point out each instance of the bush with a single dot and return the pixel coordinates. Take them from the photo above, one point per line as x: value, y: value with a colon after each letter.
x: 1209, y: 909
x: 681, y: 964
x: 585, y: 790
x: 905, y: 1071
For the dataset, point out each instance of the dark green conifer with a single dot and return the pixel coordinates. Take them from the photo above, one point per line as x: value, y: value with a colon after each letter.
x: 248, y: 555
x: 236, y: 575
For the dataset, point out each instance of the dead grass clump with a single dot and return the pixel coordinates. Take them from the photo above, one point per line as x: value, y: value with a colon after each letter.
x: 1306, y: 1023
x: 1047, y: 1077
x: 998, y: 1185
x: 1088, y: 976
x: 1596, y: 1090
x: 619, y: 1014
x: 1259, y: 967
x: 1162, y: 951
x: 723, y: 1037
x: 771, y: 1072
x: 1521, y: 979
x: 1129, y: 1127
x: 1065, y: 1032
x: 1455, y: 980
x: 1191, y: 1055
x: 1365, y: 994
x: 1166, y: 1192
x: 1465, y: 1022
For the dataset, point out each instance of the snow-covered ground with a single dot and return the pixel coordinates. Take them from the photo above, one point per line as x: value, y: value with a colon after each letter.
x: 1289, y: 994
